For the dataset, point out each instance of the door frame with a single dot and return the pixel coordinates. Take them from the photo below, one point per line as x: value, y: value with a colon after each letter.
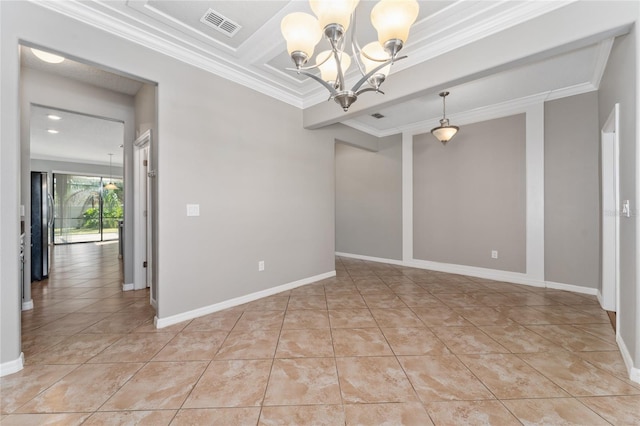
x: 609, y: 296
x: 142, y: 202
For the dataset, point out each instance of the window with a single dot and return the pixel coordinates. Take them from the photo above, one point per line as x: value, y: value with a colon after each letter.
x: 84, y: 210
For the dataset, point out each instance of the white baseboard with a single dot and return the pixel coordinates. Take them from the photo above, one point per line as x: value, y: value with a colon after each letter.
x: 599, y: 296
x: 205, y: 310
x: 573, y: 288
x: 474, y: 271
x: 27, y: 306
x: 12, y: 366
x: 371, y: 259
x: 634, y: 373
x: 127, y: 287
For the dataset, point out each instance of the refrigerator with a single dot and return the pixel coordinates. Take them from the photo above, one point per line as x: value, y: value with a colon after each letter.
x: 41, y: 222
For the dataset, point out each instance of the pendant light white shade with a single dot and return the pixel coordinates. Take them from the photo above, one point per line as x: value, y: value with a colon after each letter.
x: 393, y: 19
x: 444, y: 132
x: 329, y: 69
x: 302, y: 33
x: 333, y: 12
x: 375, y: 51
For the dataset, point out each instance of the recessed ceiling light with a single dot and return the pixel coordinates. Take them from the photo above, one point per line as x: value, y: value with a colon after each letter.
x: 53, y: 117
x: 47, y: 57
x: 52, y: 131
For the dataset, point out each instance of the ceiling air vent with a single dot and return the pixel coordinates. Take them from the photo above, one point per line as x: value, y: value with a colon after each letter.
x: 377, y: 115
x: 220, y: 22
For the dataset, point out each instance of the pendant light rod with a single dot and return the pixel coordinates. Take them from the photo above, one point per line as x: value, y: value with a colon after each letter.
x: 444, y: 105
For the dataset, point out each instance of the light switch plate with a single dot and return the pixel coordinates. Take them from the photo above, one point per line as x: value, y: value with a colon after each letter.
x: 193, y: 209
x: 626, y: 210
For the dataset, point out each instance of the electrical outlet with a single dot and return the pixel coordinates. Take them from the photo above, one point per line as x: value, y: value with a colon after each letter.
x: 261, y: 266
x: 494, y: 254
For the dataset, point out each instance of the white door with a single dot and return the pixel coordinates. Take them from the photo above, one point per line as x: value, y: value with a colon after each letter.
x: 610, y: 212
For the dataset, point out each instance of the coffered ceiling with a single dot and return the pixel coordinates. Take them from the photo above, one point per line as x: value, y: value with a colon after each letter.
x: 255, y: 55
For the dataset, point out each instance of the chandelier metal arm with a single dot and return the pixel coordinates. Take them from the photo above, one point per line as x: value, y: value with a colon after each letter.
x: 337, y: 56
x: 355, y: 47
x: 368, y: 75
x: 329, y: 87
x: 369, y: 89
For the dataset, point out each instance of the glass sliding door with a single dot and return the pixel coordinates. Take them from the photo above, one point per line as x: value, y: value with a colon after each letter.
x: 84, y: 210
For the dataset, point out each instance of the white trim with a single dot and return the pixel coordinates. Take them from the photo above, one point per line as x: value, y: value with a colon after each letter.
x: 84, y: 13
x: 141, y: 202
x: 573, y: 288
x: 609, y: 213
x: 28, y: 305
x: 11, y: 367
x: 205, y: 310
x: 534, y: 158
x: 634, y: 373
x: 407, y: 196
x: 478, y: 272
x: 472, y: 271
x: 371, y: 258
x: 604, y: 50
x: 480, y: 22
x: 127, y: 287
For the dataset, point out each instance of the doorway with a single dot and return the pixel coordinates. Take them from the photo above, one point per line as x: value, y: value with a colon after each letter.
x: 610, y: 295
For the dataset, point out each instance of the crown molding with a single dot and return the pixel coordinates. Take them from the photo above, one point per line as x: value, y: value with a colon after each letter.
x: 604, y: 50
x: 83, y: 13
x: 433, y: 44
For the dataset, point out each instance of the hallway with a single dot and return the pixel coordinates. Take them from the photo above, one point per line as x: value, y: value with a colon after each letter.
x: 376, y: 343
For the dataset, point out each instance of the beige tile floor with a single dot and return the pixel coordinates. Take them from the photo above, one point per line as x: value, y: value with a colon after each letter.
x: 378, y: 344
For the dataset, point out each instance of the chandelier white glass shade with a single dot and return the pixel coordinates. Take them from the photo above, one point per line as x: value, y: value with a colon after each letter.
x: 444, y: 132
x: 391, y: 18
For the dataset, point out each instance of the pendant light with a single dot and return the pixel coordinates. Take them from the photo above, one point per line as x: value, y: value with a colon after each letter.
x: 444, y: 132
x: 110, y: 186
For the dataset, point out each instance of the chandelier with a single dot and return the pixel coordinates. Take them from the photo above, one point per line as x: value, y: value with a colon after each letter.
x: 444, y: 132
x: 391, y: 18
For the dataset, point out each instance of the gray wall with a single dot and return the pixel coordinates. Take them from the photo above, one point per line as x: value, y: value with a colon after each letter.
x: 619, y: 85
x: 10, y: 295
x: 572, y: 191
x: 369, y: 199
x: 469, y: 196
